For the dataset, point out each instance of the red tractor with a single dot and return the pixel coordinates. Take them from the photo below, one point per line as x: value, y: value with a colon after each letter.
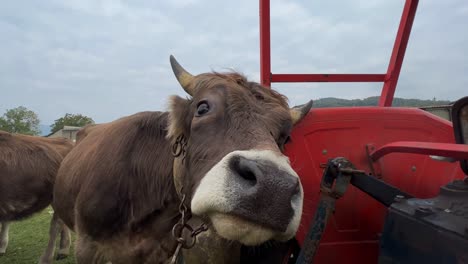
x: 382, y: 184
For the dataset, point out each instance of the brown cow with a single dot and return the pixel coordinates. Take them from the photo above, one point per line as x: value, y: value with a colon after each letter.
x: 28, y: 167
x: 121, y: 186
x: 84, y: 131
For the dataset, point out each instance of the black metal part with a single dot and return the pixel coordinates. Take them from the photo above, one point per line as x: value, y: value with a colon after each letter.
x: 335, y: 180
x: 325, y: 208
x: 377, y: 189
x: 416, y: 230
x: 428, y: 230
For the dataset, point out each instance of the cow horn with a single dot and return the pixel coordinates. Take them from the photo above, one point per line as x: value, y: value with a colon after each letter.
x: 184, y: 77
x: 297, y: 113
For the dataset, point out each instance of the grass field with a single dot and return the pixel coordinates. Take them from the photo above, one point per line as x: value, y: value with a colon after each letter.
x: 28, y: 240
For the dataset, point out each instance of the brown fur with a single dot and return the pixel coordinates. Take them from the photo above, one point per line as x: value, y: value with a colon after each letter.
x: 120, y: 159
x: 28, y: 166
x: 84, y: 131
x: 116, y: 187
x: 261, y: 115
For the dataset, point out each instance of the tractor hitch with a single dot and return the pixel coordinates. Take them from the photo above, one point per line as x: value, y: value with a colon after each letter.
x: 416, y: 230
x: 338, y: 174
x: 335, y: 180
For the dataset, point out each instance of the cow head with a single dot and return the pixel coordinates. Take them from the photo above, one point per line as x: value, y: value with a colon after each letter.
x: 229, y: 136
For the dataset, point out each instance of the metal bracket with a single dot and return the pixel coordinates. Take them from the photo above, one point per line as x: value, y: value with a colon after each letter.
x: 374, y: 166
x: 338, y: 173
x: 335, y: 181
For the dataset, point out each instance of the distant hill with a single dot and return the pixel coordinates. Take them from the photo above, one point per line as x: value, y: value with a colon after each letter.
x: 337, y: 102
x: 373, y: 101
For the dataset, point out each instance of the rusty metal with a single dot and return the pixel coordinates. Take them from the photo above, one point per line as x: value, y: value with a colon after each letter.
x: 335, y: 181
x: 179, y: 148
x: 178, y: 228
x: 374, y: 167
x: 440, y: 221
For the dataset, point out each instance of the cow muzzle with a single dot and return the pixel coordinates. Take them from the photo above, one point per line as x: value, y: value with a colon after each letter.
x: 251, y: 196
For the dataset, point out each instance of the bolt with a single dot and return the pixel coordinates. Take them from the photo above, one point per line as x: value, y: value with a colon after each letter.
x: 324, y: 152
x: 423, y: 211
x: 399, y: 198
x: 447, y: 210
x: 413, y: 168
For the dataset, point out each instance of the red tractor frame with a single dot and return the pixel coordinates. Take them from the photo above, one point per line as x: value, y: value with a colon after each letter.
x: 400, y: 146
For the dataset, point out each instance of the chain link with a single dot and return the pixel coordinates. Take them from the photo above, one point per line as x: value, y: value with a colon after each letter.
x: 179, y: 148
x: 177, y: 231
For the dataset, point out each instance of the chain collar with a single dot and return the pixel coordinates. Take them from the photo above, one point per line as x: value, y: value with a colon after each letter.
x: 179, y: 148
x: 177, y: 231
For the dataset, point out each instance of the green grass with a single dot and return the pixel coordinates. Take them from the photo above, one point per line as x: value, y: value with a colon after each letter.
x: 28, y: 240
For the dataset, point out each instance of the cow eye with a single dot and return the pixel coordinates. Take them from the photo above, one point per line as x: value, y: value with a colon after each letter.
x: 202, y: 108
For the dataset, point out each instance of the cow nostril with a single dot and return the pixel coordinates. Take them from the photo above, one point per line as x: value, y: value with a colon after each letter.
x: 248, y: 175
x: 245, y: 169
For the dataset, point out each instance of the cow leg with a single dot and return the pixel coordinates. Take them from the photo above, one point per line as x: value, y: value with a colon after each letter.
x: 4, y: 237
x: 65, y: 241
x: 86, y: 251
x: 47, y: 256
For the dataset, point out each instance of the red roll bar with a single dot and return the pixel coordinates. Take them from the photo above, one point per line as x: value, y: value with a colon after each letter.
x: 390, y: 79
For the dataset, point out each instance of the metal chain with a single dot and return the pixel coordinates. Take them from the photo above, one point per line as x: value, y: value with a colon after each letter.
x: 177, y: 231
x: 179, y: 148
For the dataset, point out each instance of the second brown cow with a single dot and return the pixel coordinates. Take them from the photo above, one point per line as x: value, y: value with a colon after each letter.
x: 28, y: 167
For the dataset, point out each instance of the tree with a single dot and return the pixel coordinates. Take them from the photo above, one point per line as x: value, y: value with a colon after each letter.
x: 78, y: 120
x: 20, y: 120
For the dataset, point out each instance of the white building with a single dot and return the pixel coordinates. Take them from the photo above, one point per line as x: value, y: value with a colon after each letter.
x: 66, y: 132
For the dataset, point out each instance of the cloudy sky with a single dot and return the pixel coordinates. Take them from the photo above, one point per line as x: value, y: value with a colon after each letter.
x: 107, y: 59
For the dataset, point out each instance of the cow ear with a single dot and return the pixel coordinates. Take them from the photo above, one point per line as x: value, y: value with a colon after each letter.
x: 179, y: 117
